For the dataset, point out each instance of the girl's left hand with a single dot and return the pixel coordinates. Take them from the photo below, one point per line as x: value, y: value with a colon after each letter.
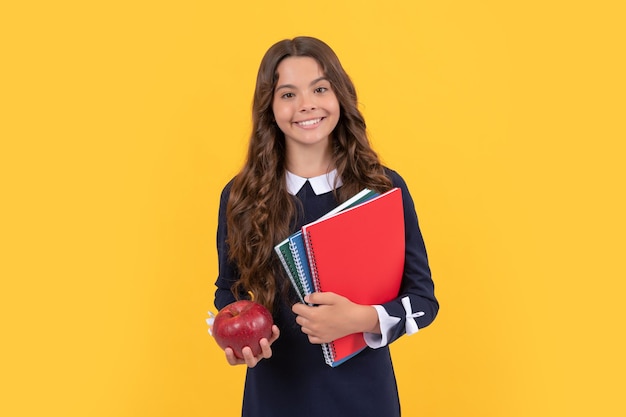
x: 334, y: 316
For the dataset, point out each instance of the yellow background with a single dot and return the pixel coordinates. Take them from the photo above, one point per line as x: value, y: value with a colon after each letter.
x: 120, y: 122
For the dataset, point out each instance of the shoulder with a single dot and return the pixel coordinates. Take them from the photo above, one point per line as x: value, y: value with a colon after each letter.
x: 226, y: 190
x: 399, y: 182
x: 396, y: 179
x: 224, y: 196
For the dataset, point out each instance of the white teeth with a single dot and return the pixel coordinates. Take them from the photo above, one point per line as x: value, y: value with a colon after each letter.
x: 309, y: 122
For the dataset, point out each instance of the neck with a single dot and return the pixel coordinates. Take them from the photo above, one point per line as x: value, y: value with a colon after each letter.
x: 309, y: 162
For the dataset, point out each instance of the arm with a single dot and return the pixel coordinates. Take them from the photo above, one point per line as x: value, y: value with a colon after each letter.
x: 227, y: 270
x: 416, y: 306
x: 228, y: 275
x: 335, y: 316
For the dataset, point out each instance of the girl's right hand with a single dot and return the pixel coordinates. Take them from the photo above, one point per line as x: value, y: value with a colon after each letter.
x: 248, y: 358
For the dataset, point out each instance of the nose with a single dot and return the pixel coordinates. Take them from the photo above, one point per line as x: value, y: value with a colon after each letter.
x: 307, y: 102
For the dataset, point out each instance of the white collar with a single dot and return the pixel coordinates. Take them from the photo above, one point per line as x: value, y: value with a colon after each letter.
x: 321, y: 184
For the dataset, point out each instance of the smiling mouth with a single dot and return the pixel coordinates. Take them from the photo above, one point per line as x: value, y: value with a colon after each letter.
x: 310, y: 123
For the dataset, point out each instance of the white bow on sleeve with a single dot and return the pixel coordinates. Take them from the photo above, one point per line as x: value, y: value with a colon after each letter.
x: 411, y: 324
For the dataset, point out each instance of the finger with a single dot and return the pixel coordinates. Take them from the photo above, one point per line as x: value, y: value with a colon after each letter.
x: 300, y: 309
x: 265, y: 344
x: 231, y: 358
x: 321, y: 298
x: 266, y: 350
x: 307, y: 331
x: 248, y: 357
x: 275, y: 334
x: 315, y: 340
x: 301, y: 320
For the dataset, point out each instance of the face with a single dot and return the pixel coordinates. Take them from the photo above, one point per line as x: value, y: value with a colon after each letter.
x: 305, y: 106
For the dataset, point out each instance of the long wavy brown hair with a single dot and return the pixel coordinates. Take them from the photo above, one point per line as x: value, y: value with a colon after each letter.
x: 260, y: 211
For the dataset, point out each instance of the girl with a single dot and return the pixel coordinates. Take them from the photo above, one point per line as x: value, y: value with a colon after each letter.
x: 308, y: 152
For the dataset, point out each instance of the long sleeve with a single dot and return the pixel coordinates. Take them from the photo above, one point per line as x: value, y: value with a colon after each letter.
x: 417, y: 288
x: 227, y: 270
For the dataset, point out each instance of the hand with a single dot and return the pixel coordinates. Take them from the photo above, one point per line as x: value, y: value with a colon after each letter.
x: 248, y: 358
x: 334, y: 316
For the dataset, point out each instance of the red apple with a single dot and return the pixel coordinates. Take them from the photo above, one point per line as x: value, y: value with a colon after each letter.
x: 242, y: 323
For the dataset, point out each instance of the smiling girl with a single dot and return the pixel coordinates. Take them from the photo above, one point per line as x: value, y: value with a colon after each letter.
x: 309, y: 152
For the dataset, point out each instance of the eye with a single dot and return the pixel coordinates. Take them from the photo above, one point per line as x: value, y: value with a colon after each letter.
x: 320, y: 90
x: 287, y: 95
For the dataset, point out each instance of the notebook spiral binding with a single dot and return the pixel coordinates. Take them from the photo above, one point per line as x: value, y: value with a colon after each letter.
x: 312, y: 263
x: 329, y: 353
x: 291, y: 273
x: 299, y: 268
x: 327, y: 348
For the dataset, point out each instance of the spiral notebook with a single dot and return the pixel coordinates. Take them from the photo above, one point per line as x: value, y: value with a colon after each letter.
x: 292, y: 251
x: 358, y: 253
x: 285, y: 255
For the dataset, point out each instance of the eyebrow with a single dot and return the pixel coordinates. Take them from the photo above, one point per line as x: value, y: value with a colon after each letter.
x: 315, y: 81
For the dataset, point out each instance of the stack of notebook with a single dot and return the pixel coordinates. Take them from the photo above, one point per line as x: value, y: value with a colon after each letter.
x: 357, y: 251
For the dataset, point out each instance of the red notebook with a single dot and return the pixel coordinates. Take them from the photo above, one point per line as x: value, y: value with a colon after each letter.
x: 358, y: 253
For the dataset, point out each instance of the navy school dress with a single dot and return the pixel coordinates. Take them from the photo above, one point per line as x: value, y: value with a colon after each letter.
x: 296, y: 381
